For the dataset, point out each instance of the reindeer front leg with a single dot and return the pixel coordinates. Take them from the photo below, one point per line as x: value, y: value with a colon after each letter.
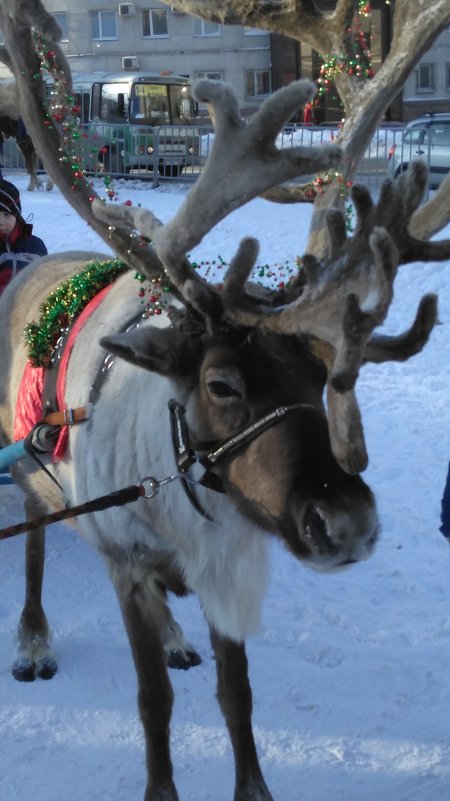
x: 235, y: 699
x: 145, y: 617
x: 34, y: 655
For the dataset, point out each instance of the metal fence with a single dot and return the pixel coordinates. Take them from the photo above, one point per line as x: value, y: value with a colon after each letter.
x: 166, y: 152
x: 179, y: 153
x: 373, y: 167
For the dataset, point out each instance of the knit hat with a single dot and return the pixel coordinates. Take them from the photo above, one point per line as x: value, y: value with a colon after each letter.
x: 10, y: 199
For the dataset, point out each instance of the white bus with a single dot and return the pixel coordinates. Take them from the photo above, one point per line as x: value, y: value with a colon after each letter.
x: 118, y: 113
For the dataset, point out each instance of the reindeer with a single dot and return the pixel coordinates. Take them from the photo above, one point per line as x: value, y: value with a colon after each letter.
x: 11, y: 124
x: 15, y: 128
x: 223, y: 397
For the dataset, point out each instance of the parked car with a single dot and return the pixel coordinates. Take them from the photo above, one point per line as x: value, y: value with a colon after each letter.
x: 426, y: 138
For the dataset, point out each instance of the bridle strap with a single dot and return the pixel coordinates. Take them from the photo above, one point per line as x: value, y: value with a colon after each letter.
x: 185, y: 457
x: 220, y: 449
x: 217, y: 450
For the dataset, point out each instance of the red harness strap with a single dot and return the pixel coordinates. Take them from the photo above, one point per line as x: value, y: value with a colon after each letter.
x: 29, y: 399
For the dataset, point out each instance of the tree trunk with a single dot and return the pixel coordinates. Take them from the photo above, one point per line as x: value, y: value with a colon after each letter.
x: 416, y: 24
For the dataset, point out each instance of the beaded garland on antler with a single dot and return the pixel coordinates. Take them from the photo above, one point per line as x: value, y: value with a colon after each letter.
x: 67, y: 301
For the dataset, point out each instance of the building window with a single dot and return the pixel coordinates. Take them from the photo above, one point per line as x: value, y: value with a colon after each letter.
x: 103, y: 24
x: 257, y: 83
x: 61, y: 18
x: 212, y: 75
x: 154, y: 23
x: 425, y: 78
x: 204, y: 28
x: 254, y: 31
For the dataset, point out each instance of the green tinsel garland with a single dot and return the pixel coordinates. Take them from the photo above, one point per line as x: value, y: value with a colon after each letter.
x: 63, y: 306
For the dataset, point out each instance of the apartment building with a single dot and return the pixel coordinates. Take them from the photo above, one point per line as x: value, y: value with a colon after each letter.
x: 151, y: 36
x: 427, y: 89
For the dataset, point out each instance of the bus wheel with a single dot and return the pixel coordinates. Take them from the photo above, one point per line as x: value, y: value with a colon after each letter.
x: 169, y: 170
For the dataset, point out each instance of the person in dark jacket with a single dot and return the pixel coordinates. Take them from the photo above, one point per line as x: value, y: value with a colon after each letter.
x: 2, y: 142
x: 445, y: 508
x: 18, y: 245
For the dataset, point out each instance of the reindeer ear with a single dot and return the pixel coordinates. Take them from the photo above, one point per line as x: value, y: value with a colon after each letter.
x: 164, y: 351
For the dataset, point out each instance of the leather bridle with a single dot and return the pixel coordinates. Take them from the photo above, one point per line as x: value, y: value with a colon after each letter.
x: 188, y: 453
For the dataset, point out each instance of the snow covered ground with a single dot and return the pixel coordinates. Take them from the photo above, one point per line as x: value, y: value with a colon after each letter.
x: 350, y: 672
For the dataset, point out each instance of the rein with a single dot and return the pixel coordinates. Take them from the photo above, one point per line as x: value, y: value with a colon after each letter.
x: 149, y: 486
x: 119, y: 498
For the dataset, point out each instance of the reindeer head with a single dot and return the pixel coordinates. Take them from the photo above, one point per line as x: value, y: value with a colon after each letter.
x: 264, y: 390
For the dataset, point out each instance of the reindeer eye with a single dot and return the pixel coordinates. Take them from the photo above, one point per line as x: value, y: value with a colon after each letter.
x: 222, y: 390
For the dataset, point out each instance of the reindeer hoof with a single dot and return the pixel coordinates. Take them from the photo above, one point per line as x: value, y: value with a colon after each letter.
x: 23, y: 670
x: 183, y: 660
x: 46, y: 668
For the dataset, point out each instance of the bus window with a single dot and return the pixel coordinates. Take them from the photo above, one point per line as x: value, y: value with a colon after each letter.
x: 149, y: 104
x: 113, y: 103
x: 82, y: 101
x: 95, y: 103
x: 182, y: 104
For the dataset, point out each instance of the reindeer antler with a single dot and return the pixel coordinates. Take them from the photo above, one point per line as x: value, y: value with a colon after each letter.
x: 243, y: 163
x: 345, y: 297
x: 348, y: 295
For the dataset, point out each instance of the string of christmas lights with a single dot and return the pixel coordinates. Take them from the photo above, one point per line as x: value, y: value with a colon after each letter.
x: 358, y: 65
x: 61, y: 111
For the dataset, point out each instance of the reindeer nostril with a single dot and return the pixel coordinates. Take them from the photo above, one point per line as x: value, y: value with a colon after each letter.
x: 315, y: 528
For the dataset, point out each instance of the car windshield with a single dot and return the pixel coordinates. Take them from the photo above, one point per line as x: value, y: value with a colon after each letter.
x: 413, y: 135
x: 440, y: 133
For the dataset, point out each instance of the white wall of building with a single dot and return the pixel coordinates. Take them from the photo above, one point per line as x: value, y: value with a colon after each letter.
x: 174, y: 42
x: 427, y: 88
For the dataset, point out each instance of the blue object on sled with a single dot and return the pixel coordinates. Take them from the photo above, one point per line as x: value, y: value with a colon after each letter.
x: 9, y: 455
x: 41, y: 439
x: 12, y: 453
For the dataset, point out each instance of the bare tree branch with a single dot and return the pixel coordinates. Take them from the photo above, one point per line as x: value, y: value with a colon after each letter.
x: 272, y: 15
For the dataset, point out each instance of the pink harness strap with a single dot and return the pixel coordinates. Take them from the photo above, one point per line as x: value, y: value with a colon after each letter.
x: 29, y: 401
